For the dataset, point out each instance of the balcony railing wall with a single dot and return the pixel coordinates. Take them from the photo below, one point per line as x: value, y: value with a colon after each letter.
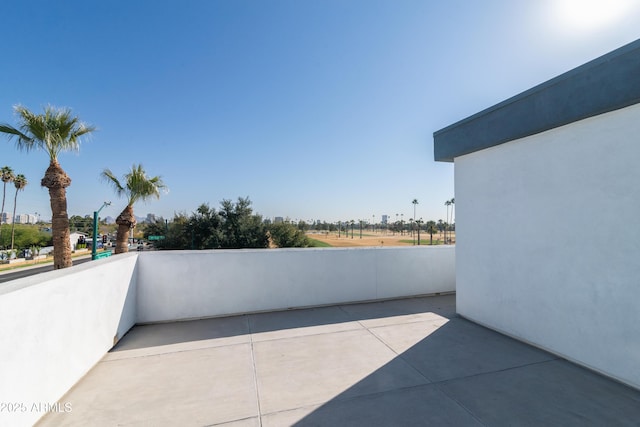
x: 55, y: 327
x: 192, y: 284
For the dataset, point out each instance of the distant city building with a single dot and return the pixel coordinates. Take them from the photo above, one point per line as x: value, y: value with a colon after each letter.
x: 26, y: 219
x: 7, y: 218
x: 278, y: 219
x: 385, y: 219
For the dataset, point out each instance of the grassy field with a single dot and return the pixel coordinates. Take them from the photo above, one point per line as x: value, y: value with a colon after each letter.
x: 315, y: 243
x: 423, y: 241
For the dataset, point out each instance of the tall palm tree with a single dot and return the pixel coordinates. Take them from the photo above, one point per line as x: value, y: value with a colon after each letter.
x: 453, y: 206
x: 415, y: 202
x: 54, y: 131
x: 431, y: 228
x: 135, y: 185
x: 7, y: 176
x: 447, y: 204
x: 419, y: 223
x: 20, y: 182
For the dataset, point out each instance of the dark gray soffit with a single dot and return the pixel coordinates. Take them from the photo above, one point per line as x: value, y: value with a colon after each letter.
x: 605, y: 84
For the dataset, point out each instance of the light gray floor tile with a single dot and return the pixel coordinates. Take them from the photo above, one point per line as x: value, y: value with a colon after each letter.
x: 460, y: 348
x: 417, y: 406
x: 402, y: 337
x: 302, y: 371
x: 162, y: 338
x: 397, y: 311
x: 247, y: 422
x: 190, y: 388
x: 555, y: 393
x: 286, y: 324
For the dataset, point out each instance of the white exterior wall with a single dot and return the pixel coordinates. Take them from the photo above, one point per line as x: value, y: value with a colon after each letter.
x: 548, y: 241
x: 192, y: 284
x: 56, y: 326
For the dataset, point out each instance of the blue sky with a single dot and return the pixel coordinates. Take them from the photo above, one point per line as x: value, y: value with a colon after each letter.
x: 314, y: 109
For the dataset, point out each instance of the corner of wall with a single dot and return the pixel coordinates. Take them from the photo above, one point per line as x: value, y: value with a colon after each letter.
x: 129, y: 315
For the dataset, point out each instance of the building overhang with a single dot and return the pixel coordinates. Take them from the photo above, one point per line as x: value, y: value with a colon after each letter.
x: 605, y: 84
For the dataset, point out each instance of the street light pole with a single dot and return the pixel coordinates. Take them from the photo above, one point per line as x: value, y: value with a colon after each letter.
x: 94, y: 247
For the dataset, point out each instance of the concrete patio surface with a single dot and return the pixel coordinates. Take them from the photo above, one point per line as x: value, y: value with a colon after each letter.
x: 394, y: 363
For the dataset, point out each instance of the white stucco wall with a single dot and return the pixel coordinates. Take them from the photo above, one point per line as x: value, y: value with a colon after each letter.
x: 548, y: 241
x: 55, y: 326
x: 191, y: 284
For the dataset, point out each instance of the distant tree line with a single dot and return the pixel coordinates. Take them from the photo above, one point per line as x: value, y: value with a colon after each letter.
x: 25, y: 236
x: 232, y: 226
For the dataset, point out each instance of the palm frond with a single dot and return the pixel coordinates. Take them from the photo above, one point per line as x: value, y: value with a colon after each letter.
x: 20, y: 181
x: 23, y: 142
x: 136, y: 185
x: 54, y: 131
x: 111, y: 179
x: 6, y: 174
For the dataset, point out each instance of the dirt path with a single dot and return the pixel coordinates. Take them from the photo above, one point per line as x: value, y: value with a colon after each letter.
x: 372, y: 239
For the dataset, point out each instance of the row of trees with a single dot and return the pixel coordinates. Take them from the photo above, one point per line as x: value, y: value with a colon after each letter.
x: 399, y: 226
x: 19, y: 181
x: 56, y: 131
x: 25, y: 236
x: 233, y: 226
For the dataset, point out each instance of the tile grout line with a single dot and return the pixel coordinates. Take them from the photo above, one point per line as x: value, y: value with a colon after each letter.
x: 460, y: 404
x: 255, y: 371
x: 435, y: 384
x: 510, y: 368
x: 206, y: 347
x: 393, y: 351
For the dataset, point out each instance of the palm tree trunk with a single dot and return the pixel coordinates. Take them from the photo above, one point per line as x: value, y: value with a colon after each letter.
x: 4, y: 193
x: 13, y: 223
x: 126, y: 221
x: 56, y: 180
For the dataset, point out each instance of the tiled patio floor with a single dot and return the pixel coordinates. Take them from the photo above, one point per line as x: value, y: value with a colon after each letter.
x: 404, y: 362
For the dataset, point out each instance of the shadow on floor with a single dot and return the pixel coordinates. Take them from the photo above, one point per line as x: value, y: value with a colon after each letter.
x: 476, y: 377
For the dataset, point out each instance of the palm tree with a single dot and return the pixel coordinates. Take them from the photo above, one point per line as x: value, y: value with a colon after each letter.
x: 431, y: 228
x: 452, y: 221
x: 136, y: 185
x: 20, y: 182
x: 415, y: 202
x: 447, y: 204
x: 7, y: 176
x: 54, y: 131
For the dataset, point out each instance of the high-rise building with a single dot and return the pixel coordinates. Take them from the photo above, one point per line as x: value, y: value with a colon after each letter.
x: 7, y: 218
x: 385, y: 219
